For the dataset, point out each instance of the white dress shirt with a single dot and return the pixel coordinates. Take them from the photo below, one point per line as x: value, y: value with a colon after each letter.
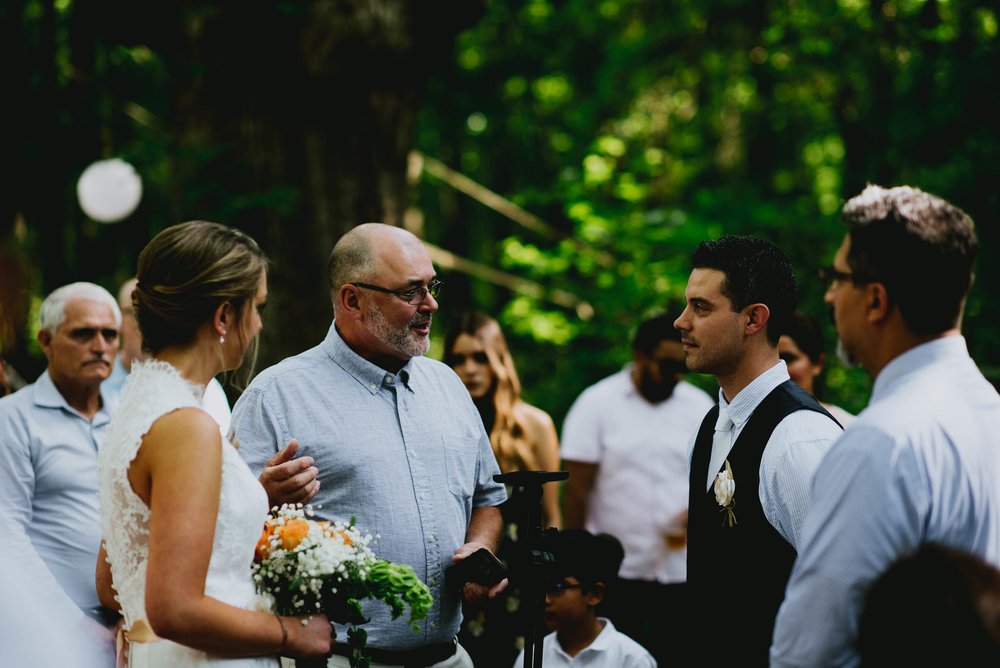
x: 641, y: 483
x: 791, y: 456
x: 921, y: 464
x: 610, y: 649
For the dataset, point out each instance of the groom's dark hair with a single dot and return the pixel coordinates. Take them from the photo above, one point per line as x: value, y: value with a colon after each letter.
x: 756, y: 271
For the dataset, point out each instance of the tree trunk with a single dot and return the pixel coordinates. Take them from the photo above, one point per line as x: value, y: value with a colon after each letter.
x: 305, y: 113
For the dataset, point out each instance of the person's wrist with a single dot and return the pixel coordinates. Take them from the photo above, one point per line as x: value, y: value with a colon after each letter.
x: 284, y: 634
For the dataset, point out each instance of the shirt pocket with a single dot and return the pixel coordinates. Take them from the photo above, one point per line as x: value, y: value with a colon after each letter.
x: 460, y: 455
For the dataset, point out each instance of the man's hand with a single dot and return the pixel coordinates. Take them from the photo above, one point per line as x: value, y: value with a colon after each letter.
x: 473, y: 592
x: 288, y: 480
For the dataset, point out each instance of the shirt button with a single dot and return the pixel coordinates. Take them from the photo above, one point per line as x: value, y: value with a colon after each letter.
x: 431, y: 538
x: 374, y: 386
x: 433, y: 581
x: 388, y: 379
x: 423, y: 496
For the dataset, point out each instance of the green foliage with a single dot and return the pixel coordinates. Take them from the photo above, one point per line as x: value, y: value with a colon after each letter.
x: 635, y: 128
x: 641, y: 128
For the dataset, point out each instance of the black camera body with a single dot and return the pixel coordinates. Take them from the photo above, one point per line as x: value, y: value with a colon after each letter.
x: 480, y: 567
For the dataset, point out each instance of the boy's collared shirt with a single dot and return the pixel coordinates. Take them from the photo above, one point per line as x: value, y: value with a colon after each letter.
x: 610, y: 649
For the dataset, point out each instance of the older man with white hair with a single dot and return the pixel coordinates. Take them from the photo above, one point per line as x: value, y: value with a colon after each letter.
x: 49, y: 435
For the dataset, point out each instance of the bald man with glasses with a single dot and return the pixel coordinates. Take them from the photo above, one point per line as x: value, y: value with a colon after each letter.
x: 366, y: 426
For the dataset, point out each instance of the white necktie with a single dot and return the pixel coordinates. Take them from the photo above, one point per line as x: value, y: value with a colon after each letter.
x: 723, y: 422
x: 721, y: 444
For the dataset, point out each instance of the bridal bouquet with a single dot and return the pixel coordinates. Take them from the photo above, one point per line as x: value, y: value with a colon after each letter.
x: 303, y: 565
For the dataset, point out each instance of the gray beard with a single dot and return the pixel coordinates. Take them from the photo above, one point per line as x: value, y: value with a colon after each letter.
x: 848, y: 360
x: 400, y: 340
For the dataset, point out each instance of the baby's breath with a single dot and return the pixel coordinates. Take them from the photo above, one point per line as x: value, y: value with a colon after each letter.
x: 304, y: 565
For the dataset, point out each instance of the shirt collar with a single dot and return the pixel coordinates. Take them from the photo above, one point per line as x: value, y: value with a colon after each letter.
x: 601, y: 643
x: 743, y: 404
x: 603, y: 640
x: 48, y: 395
x: 632, y: 389
x: 946, y: 348
x: 370, y: 376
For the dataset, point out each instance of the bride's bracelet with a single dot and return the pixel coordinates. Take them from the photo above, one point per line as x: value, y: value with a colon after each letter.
x: 284, y: 634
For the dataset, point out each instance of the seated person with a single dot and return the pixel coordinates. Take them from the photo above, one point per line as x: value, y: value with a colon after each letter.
x: 585, y: 565
x: 935, y: 607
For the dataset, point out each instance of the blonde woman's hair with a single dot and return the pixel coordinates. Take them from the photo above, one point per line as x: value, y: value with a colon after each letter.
x: 185, y: 273
x: 508, y: 435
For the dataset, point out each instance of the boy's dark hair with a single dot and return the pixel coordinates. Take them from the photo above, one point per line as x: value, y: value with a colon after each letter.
x: 756, y: 271
x: 586, y: 557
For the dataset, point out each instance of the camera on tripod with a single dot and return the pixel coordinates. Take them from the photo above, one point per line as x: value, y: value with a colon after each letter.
x: 532, y: 565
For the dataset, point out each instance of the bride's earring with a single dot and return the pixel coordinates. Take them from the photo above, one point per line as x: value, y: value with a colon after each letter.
x: 222, y: 339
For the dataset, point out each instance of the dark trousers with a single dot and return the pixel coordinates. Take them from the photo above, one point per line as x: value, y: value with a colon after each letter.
x: 654, y: 615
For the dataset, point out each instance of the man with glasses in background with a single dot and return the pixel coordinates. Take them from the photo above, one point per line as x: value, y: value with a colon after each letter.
x: 50, y: 432
x: 384, y: 435
x: 921, y: 464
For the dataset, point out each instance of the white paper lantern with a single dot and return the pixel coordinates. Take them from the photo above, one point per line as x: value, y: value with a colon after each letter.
x: 109, y: 190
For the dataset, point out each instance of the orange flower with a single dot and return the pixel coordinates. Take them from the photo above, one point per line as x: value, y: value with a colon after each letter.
x: 330, y: 532
x: 292, y: 532
x: 264, y: 542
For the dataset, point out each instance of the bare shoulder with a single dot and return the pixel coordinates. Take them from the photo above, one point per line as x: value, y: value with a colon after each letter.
x: 535, y: 420
x: 185, y: 431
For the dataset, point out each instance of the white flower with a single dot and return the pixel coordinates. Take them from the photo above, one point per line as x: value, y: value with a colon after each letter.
x: 725, y: 493
x: 264, y: 602
x: 725, y: 487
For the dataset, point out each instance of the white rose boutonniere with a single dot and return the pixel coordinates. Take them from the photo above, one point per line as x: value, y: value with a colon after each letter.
x: 725, y: 493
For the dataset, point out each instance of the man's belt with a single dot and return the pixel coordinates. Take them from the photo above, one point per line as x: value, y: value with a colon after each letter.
x: 419, y: 657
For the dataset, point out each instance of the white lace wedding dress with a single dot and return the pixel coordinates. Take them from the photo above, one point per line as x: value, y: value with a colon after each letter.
x: 155, y: 388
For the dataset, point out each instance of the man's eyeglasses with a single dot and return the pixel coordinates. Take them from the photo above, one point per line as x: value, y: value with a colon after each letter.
x: 827, y: 276
x: 559, y: 586
x: 412, y: 297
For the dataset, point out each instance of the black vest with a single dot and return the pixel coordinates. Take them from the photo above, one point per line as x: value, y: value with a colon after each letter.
x: 737, y: 575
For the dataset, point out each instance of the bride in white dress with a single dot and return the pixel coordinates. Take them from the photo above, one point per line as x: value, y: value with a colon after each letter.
x: 180, y: 510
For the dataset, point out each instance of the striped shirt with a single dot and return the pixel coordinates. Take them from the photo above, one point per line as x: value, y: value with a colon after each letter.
x: 791, y: 456
x: 920, y: 464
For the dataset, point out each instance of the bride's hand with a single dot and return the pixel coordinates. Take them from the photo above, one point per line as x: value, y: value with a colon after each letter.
x: 309, y: 636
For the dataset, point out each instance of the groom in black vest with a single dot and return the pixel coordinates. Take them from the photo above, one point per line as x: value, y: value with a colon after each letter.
x: 755, y: 454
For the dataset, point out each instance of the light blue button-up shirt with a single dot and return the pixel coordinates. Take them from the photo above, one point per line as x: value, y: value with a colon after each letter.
x: 406, y: 454
x: 48, y: 490
x: 921, y: 464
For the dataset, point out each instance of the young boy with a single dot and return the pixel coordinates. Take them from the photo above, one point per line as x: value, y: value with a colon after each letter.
x: 584, y: 566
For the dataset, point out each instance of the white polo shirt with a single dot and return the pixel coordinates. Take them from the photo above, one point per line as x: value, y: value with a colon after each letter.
x: 642, y: 477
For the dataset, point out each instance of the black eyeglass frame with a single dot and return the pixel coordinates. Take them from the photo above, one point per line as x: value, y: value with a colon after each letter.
x: 412, y: 297
x: 827, y: 275
x: 560, y: 586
